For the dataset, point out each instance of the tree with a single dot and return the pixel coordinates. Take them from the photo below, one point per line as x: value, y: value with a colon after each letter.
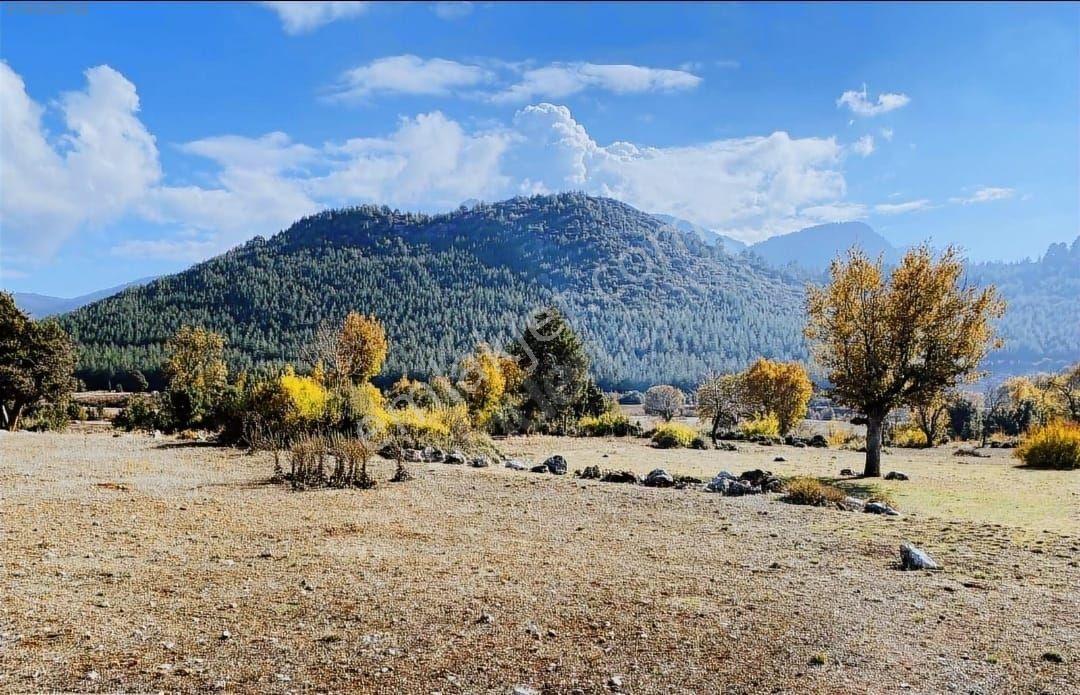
x: 1066, y: 387
x: 556, y: 383
x: 888, y: 341
x: 664, y: 400
x: 361, y: 348
x: 37, y: 361
x: 781, y: 388
x: 137, y: 381
x: 931, y: 414
x: 196, y: 371
x: 965, y: 419
x: 722, y: 400
x: 483, y: 382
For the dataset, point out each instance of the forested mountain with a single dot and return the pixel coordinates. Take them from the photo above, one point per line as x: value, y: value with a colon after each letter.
x: 38, y: 306
x: 710, y: 237
x: 813, y: 248
x: 653, y: 303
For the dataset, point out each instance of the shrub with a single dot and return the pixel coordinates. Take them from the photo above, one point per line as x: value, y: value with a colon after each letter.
x: 608, y: 424
x: 673, y: 435
x: 811, y: 491
x: 306, y: 398
x: 417, y: 427
x: 838, y: 436
x: 50, y: 417
x: 1054, y: 446
x: 908, y: 436
x: 664, y: 400
x: 762, y: 426
x: 143, y: 413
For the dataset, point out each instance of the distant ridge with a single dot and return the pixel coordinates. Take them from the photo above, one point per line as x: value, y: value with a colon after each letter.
x: 40, y: 306
x: 814, y: 248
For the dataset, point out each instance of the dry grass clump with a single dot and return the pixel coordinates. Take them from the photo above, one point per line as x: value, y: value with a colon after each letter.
x: 334, y: 461
x: 813, y: 492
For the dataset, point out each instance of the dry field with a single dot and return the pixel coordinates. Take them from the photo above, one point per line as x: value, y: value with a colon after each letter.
x: 131, y: 564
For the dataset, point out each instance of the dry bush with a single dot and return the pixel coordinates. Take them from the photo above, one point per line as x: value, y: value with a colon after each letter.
x: 838, y: 436
x: 1055, y: 446
x: 908, y: 436
x: 811, y: 491
x: 307, y: 458
x: 673, y: 435
x: 351, y: 456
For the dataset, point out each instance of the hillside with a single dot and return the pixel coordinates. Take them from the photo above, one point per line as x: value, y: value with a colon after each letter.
x: 813, y: 248
x: 710, y: 237
x: 39, y: 306
x: 653, y: 303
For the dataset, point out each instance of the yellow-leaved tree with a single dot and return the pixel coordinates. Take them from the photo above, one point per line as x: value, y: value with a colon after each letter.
x: 780, y: 388
x: 361, y: 347
x: 483, y: 382
x: 885, y: 340
x: 197, y: 372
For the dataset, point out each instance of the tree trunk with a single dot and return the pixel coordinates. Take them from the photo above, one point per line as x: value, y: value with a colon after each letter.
x: 715, y: 426
x: 15, y: 414
x: 874, y: 424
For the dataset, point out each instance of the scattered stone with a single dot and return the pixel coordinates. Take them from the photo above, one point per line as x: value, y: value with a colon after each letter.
x: 728, y: 485
x: 556, y: 465
x: 818, y: 441
x: 1052, y: 657
x: 880, y: 508
x: 413, y: 455
x: 853, y: 504
x: 93, y: 676
x: 620, y: 477
x: 219, y: 685
x: 455, y: 457
x: 225, y: 634
x: 433, y: 455
x: 765, y: 480
x: 486, y: 619
x: 518, y: 465
x: 971, y: 452
x: 848, y: 473
x: 480, y: 462
x: 779, y: 459
x: 539, y: 468
x: 912, y: 558
x: 658, y: 477
x: 532, y: 629
x: 590, y: 473
x: 266, y: 554
x: 727, y: 446
x: 896, y: 475
x: 524, y: 690
x: 684, y: 481
x: 615, y: 683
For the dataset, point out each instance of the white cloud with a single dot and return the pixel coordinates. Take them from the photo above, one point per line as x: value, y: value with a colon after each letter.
x: 835, y: 212
x: 986, y: 194
x: 166, y: 249
x: 102, y: 164
x: 409, y: 74
x: 864, y: 146
x: 561, y: 80
x: 887, y: 133
x: 452, y: 10
x: 302, y: 17
x: 901, y: 208
x: 860, y: 105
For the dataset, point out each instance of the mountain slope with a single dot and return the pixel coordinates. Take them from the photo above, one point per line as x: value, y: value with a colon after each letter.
x: 39, y: 306
x: 814, y: 248
x: 705, y: 234
x: 653, y: 303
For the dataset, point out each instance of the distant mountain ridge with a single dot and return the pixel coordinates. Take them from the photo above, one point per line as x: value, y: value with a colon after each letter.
x: 814, y: 248
x: 710, y: 237
x: 40, y: 306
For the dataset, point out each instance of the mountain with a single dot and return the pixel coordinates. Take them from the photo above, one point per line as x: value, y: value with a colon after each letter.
x: 814, y: 248
x: 39, y: 306
x: 653, y: 303
x: 704, y: 234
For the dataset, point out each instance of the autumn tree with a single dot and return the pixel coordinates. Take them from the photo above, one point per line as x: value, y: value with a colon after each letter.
x: 888, y: 340
x: 781, y: 388
x: 362, y: 347
x: 722, y: 401
x: 1067, y: 387
x: 664, y: 400
x: 483, y: 381
x: 931, y: 414
x: 196, y: 371
x: 37, y: 361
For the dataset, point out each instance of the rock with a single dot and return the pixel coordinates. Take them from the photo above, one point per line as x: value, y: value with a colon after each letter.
x: 848, y: 473
x: 779, y: 459
x: 93, y: 676
x: 896, y: 475
x: 853, y: 504
x: 684, y: 481
x: 727, y: 446
x: 413, y: 455
x: 480, y: 462
x: 455, y: 457
x: 818, y: 441
x: 517, y: 465
x: 880, y: 508
x: 590, y: 473
x: 539, y: 468
x: 556, y: 465
x: 971, y: 452
x: 620, y: 477
x: 225, y: 634
x: 799, y: 445
x: 658, y: 477
x: 730, y: 487
x: 523, y: 690
x: 389, y: 451
x: 912, y: 558
x: 486, y: 619
x: 615, y: 683
x: 433, y: 455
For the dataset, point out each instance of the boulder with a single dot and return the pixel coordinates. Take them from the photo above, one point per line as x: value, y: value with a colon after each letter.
x: 658, y: 478
x: 480, y: 462
x: 971, y: 452
x: 848, y: 473
x: 455, y: 457
x: 518, y: 465
x: 896, y: 475
x: 765, y: 481
x: 433, y: 455
x: 539, y: 468
x: 413, y: 455
x: 727, y: 484
x: 818, y: 441
x: 590, y: 473
x: 853, y: 504
x: 779, y: 459
x: 880, y: 508
x: 556, y: 465
x: 912, y: 558
x: 628, y: 477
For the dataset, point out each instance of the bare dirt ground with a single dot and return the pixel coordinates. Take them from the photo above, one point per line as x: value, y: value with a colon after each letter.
x: 131, y: 564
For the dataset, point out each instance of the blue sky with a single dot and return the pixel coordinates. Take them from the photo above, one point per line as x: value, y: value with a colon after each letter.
x: 138, y: 139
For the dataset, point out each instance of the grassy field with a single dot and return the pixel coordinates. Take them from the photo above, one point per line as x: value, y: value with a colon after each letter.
x: 137, y: 564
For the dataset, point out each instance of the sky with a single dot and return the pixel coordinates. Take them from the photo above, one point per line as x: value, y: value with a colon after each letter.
x: 137, y: 139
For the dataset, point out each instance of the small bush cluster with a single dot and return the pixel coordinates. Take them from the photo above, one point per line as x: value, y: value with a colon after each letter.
x: 334, y: 461
x: 767, y: 425
x: 608, y: 424
x: 908, y: 436
x: 813, y: 492
x: 1054, y: 446
x: 674, y: 435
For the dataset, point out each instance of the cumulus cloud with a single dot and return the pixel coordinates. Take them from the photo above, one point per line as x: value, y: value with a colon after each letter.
x: 864, y: 146
x: 302, y: 17
x: 103, y: 163
x: 409, y: 74
x: 858, y: 103
x: 561, y: 80
x: 987, y: 194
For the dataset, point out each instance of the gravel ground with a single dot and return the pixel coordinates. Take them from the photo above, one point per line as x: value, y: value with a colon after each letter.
x: 132, y: 564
